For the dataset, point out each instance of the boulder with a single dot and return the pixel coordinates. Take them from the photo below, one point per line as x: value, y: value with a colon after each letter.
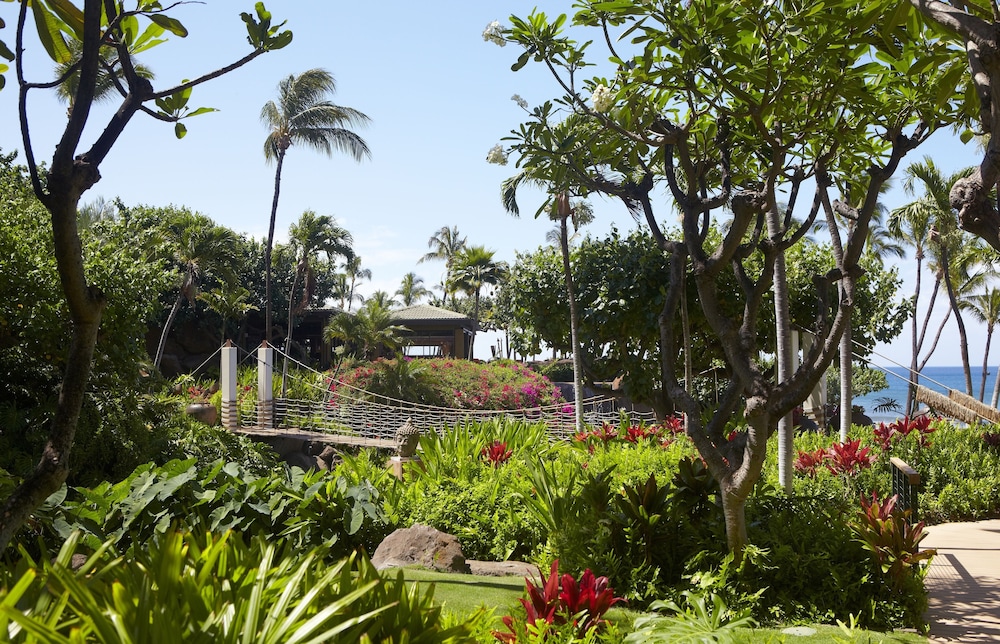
x: 420, y: 545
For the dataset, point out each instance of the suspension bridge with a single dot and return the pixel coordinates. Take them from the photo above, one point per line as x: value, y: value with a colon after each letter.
x: 343, y: 414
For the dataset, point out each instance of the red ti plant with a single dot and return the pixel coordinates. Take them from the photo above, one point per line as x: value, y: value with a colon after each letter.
x: 809, y: 462
x: 496, y: 454
x: 562, y: 600
x: 894, y: 544
x: 847, y: 458
x: 888, y: 434
x: 636, y: 433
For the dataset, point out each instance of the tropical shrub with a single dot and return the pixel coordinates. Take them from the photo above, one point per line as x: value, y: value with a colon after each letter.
x: 894, y: 544
x: 704, y: 619
x: 304, y: 509
x: 214, y: 588
x: 459, y: 384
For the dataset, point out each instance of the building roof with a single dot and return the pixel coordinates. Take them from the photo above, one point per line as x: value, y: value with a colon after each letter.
x: 428, y: 313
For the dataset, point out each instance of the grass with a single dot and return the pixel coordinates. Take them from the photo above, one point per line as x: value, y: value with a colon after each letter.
x: 462, y: 595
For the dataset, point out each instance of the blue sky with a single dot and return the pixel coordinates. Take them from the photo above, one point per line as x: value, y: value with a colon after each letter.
x: 437, y: 94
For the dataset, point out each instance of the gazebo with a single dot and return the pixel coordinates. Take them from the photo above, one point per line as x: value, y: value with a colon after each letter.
x: 435, y: 332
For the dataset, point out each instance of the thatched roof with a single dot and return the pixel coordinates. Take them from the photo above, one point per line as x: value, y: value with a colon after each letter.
x: 958, y: 406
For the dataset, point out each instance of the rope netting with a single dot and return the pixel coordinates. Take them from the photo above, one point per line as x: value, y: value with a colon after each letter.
x: 340, y: 408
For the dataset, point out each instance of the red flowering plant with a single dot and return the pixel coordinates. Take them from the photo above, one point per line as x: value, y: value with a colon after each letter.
x: 496, y: 454
x: 889, y: 434
x: 640, y: 432
x: 848, y: 458
x: 808, y: 463
x: 561, y: 600
x: 892, y: 541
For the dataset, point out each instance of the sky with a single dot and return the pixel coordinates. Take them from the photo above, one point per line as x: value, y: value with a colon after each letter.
x: 439, y: 98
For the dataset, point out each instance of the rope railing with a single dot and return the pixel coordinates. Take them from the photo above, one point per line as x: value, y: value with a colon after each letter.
x: 349, y: 410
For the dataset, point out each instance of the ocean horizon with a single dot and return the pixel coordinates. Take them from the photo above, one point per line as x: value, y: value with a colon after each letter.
x: 939, y: 379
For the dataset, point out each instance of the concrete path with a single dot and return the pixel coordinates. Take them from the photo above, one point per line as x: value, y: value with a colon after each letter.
x: 964, y: 582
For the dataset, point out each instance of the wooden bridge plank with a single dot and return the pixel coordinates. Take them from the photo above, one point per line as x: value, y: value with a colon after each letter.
x: 318, y: 437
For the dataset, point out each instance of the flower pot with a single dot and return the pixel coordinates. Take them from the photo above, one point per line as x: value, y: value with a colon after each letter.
x: 203, y: 412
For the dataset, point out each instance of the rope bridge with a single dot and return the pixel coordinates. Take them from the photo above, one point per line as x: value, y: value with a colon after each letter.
x: 356, y: 416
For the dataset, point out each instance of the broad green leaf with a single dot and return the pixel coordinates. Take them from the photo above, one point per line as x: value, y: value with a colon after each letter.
x: 69, y: 14
x: 172, y: 25
x: 280, y: 41
x: 967, y: 135
x: 180, y: 130
x: 47, y: 25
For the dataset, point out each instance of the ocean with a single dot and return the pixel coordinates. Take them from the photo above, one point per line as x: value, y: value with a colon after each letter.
x: 937, y: 378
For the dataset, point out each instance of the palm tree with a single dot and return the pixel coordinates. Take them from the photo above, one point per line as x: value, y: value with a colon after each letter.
x: 368, y: 332
x: 303, y: 115
x: 445, y: 244
x: 985, y: 308
x: 231, y: 302
x: 311, y: 235
x: 381, y: 298
x: 198, y: 247
x: 353, y: 272
x: 109, y: 73
x: 412, y: 289
x: 474, y: 268
x: 913, y: 225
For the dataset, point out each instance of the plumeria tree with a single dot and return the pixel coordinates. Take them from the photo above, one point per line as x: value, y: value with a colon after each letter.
x: 734, y: 108
x: 75, y: 167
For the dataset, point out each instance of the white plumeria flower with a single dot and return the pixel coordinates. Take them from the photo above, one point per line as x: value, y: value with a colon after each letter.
x: 603, y: 99
x: 496, y: 155
x: 523, y: 104
x: 494, y: 34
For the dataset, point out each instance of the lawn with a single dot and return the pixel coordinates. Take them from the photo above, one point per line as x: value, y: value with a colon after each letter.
x: 463, y: 594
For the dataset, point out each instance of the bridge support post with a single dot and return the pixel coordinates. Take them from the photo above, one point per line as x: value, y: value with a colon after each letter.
x: 265, y: 391
x: 227, y: 378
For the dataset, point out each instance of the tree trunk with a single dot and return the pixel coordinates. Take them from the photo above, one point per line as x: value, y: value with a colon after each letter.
x: 963, y: 339
x: 475, y: 326
x: 911, y: 388
x: 783, y: 353
x: 166, y: 329
x: 573, y: 325
x: 846, y: 389
x: 288, y: 332
x: 86, y: 305
x: 986, y: 357
x: 268, y: 313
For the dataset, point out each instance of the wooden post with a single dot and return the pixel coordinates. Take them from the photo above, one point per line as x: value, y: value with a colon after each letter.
x: 227, y: 377
x: 265, y: 391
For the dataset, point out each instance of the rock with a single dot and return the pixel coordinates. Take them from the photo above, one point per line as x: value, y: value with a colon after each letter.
x: 504, y: 569
x: 420, y: 545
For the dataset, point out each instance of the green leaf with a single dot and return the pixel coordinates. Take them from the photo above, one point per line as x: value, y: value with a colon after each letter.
x: 180, y: 130
x: 967, y: 136
x: 170, y: 24
x: 521, y: 61
x: 69, y: 14
x: 280, y: 41
x: 49, y: 34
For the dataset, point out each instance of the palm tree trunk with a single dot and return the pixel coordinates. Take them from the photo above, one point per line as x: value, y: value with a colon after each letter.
x: 166, y: 329
x: 270, y: 245
x: 573, y: 325
x: 911, y: 388
x: 475, y: 326
x: 986, y: 357
x: 288, y: 332
x: 963, y: 340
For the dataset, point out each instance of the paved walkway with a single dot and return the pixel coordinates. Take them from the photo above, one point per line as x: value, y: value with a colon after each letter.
x: 964, y: 582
